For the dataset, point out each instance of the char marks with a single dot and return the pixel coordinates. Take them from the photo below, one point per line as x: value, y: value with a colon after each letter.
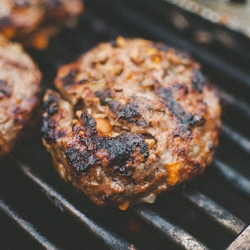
x: 182, y: 116
x: 112, y: 152
x: 69, y: 79
x: 198, y: 81
x: 129, y: 112
x: 104, y: 95
x: 52, y: 104
x: 50, y: 129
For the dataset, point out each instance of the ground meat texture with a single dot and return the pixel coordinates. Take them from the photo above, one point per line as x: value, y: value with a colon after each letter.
x: 135, y: 117
x: 32, y: 22
x: 19, y: 93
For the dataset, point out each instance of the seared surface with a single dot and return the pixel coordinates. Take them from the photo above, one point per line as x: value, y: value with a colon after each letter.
x: 135, y: 118
x: 19, y: 90
x: 33, y: 21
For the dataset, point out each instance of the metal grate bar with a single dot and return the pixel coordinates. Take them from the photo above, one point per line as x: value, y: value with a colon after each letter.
x: 236, y: 103
x: 237, y: 138
x: 242, y: 242
x: 234, y: 178
x: 217, y: 213
x: 172, y: 232
x: 155, y: 29
x: 28, y: 227
x: 111, y: 240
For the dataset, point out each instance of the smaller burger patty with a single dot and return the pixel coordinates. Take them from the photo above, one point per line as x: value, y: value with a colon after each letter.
x: 32, y: 22
x: 133, y: 118
x: 19, y: 93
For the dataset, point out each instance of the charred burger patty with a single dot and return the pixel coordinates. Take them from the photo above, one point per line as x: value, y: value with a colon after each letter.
x: 19, y: 93
x: 133, y: 119
x: 32, y: 22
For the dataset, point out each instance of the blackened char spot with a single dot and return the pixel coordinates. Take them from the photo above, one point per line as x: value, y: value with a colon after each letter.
x: 80, y: 159
x: 5, y: 89
x: 128, y: 112
x: 182, y: 87
x: 50, y: 130
x: 104, y: 96
x: 104, y: 150
x: 51, y: 105
x: 5, y: 22
x: 198, y: 81
x: 69, y: 79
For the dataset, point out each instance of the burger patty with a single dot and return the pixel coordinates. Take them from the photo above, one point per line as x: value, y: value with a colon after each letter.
x: 134, y: 118
x: 19, y: 92
x: 32, y: 22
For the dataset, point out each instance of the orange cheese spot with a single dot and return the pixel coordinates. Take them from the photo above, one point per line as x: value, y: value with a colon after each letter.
x: 124, y: 206
x: 103, y: 125
x: 173, y: 171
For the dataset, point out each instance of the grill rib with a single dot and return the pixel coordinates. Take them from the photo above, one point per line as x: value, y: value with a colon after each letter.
x: 27, y: 226
x: 109, y: 239
x: 242, y: 242
x: 237, y: 138
x: 234, y: 178
x: 217, y: 213
x: 172, y: 232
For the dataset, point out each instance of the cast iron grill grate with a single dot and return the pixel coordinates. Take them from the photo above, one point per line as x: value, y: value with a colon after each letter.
x: 38, y: 210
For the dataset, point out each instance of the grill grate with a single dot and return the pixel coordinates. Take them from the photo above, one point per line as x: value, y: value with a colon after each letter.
x: 39, y: 210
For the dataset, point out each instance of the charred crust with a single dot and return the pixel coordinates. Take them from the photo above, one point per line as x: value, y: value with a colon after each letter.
x: 104, y: 96
x: 129, y: 112
x: 49, y: 130
x: 123, y: 171
x: 5, y: 89
x: 198, y: 81
x: 196, y: 169
x: 69, y: 79
x: 112, y: 152
x: 182, y: 87
x: 51, y: 105
x: 5, y: 22
x: 184, y: 132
